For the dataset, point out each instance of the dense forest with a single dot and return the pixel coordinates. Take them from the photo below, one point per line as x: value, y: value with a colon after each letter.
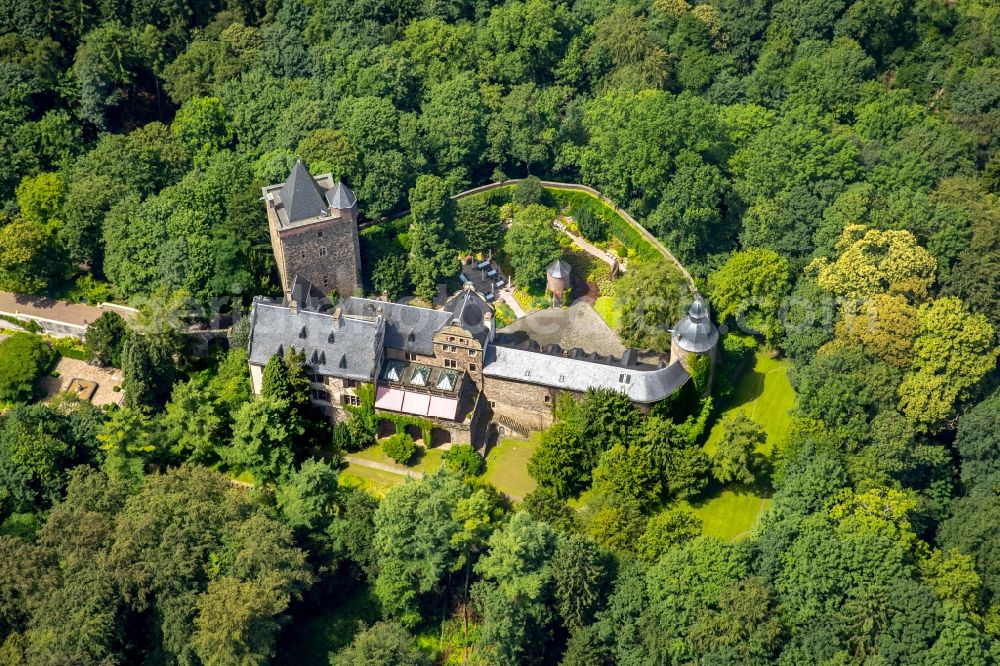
x: 827, y: 170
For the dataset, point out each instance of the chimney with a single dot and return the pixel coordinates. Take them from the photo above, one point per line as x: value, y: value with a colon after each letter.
x: 293, y: 306
x: 338, y: 318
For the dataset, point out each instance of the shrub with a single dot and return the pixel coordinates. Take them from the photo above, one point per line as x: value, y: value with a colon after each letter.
x: 23, y: 359
x: 399, y: 447
x: 591, y: 226
x: 528, y: 191
x: 463, y: 459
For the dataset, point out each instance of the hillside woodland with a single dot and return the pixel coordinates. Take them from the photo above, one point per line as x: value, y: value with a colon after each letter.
x: 827, y: 170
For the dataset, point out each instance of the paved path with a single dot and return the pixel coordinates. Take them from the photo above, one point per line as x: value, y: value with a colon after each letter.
x: 589, y: 248
x: 71, y: 368
x: 394, y: 469
x: 508, y: 298
x: 74, y: 314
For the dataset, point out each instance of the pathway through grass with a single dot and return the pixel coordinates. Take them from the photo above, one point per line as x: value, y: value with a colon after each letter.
x: 764, y: 394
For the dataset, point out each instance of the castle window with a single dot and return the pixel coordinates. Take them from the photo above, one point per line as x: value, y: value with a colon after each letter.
x: 451, y: 338
x: 320, y: 395
x: 493, y: 403
x: 548, y: 398
x: 450, y: 363
x: 326, y: 281
x: 319, y: 234
x: 351, y: 400
x: 350, y: 383
x: 472, y: 367
x: 411, y: 357
x: 472, y: 352
x: 322, y: 252
x: 303, y: 254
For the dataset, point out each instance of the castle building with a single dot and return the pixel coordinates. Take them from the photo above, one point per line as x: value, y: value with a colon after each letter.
x: 450, y: 368
x: 313, y: 224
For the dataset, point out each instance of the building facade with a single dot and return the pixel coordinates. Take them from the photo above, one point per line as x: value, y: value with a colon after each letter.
x: 313, y: 224
x: 442, y: 371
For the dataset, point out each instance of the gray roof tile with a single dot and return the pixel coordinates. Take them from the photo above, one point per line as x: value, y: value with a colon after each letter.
x: 407, y: 327
x: 341, y: 196
x: 696, y: 333
x: 301, y: 197
x: 348, y: 352
x: 641, y: 385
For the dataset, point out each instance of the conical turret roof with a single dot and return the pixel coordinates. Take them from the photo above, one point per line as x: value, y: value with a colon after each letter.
x: 340, y: 196
x: 696, y: 332
x: 301, y: 197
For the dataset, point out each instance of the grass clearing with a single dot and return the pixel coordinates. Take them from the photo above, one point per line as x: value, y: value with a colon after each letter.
x: 729, y: 514
x: 507, y: 466
x: 424, y: 460
x: 763, y: 393
x: 605, y: 307
x: 375, y: 481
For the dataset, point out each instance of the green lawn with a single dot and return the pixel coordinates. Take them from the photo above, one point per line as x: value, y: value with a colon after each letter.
x: 375, y: 481
x: 424, y: 460
x: 729, y: 514
x: 764, y: 394
x: 612, y: 316
x: 507, y: 466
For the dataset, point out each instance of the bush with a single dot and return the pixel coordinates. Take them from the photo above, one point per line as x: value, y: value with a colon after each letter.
x: 528, y: 191
x: 105, y: 339
x: 734, y: 348
x: 23, y: 359
x: 463, y: 459
x: 591, y: 226
x: 399, y: 447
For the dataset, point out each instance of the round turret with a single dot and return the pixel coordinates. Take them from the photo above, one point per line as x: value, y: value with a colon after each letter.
x: 696, y: 333
x: 557, y: 277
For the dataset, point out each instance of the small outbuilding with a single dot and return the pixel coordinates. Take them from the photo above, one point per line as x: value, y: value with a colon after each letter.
x: 557, y: 277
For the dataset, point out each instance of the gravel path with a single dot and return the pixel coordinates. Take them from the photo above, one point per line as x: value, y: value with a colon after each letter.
x: 395, y: 469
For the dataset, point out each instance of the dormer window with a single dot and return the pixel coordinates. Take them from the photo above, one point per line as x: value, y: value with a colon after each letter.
x: 625, y: 379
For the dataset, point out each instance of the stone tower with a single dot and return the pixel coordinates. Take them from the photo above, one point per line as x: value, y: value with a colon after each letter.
x: 314, y: 232
x: 694, y: 339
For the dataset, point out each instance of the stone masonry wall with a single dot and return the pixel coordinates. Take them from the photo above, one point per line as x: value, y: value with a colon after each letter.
x: 524, y: 403
x: 326, y: 253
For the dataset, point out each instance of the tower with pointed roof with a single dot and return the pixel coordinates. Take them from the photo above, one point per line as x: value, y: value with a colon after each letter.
x: 313, y: 223
x: 694, y: 339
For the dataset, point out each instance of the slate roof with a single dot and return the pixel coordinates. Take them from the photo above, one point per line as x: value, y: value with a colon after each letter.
x: 696, y: 333
x: 341, y: 196
x: 348, y: 352
x: 308, y: 297
x: 407, y: 327
x: 301, y: 197
x: 641, y: 385
x: 558, y: 269
x: 468, y: 310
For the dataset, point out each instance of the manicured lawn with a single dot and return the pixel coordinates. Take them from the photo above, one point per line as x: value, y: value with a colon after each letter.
x: 375, y: 481
x: 424, y: 460
x: 612, y: 316
x: 729, y: 514
x: 507, y: 466
x: 764, y: 394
